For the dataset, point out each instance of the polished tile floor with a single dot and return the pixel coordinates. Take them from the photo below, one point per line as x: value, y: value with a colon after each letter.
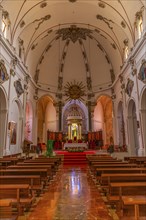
x: 71, y: 196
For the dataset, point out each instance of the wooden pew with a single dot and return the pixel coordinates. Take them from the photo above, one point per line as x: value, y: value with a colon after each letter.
x: 93, y: 164
x: 107, y: 178
x: 108, y: 162
x: 56, y: 161
x: 49, y: 163
x: 6, y: 211
x: 5, y: 163
x: 50, y: 166
x: 105, y: 168
x: 139, y: 160
x: 19, y: 195
x: 120, y: 170
x: 99, y: 171
x: 50, y: 171
x: 119, y: 189
x: 43, y: 173
x: 102, y: 160
x: 33, y: 181
x: 9, y: 160
x: 114, y: 165
x: 135, y: 201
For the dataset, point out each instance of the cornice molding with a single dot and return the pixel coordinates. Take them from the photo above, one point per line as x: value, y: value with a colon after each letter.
x: 139, y: 44
x: 11, y: 52
x: 137, y: 48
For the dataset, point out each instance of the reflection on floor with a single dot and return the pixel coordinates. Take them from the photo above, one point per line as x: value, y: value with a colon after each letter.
x: 71, y: 196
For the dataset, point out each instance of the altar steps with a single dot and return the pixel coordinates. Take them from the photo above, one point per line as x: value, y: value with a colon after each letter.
x: 75, y: 159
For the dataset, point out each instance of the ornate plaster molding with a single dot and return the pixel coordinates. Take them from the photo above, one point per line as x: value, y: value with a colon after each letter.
x: 3, y: 72
x: 73, y: 33
x: 18, y: 87
x: 129, y: 87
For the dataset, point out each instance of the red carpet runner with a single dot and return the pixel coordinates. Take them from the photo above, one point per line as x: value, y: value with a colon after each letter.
x: 75, y: 158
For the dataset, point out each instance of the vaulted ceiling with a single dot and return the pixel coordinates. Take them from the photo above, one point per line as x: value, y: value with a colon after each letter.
x: 73, y: 40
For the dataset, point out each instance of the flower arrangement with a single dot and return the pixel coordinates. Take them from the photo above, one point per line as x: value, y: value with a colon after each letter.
x: 75, y: 149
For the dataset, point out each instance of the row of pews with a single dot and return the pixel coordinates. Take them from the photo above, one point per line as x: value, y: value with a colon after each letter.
x: 22, y: 180
x: 123, y: 183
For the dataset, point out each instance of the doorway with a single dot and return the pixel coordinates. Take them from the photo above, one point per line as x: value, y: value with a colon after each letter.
x: 3, y: 114
x: 133, y: 130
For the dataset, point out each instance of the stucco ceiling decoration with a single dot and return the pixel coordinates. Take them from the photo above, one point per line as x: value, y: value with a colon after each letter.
x: 42, y: 25
x: 73, y: 33
x: 72, y: 1
x: 74, y: 90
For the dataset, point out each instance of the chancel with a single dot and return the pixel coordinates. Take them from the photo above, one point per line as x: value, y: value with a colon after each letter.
x: 73, y: 109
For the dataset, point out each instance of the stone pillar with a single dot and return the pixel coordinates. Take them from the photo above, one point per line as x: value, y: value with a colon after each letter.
x: 3, y: 130
x: 80, y: 131
x: 7, y: 141
x: 91, y: 106
x: 113, y: 117
x: 35, y: 122
x: 114, y: 129
x: 44, y: 133
x: 58, y: 106
x: 68, y: 132
x: 57, y: 121
x: 143, y: 126
x: 89, y: 116
x: 140, y: 148
x: 24, y: 115
x: 20, y: 144
x: 104, y: 132
x: 131, y: 141
x: 60, y: 116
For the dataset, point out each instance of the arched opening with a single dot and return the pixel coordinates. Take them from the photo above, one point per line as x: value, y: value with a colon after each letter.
x: 132, y: 127
x: 121, y: 126
x: 103, y: 118
x: 143, y: 117
x: 46, y: 118
x: 28, y: 121
x: 15, y: 126
x: 75, y: 125
x: 3, y: 115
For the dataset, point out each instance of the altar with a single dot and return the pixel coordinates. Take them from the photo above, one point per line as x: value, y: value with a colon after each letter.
x: 75, y: 145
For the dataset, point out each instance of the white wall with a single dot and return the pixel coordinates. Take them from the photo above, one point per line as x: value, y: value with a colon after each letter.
x: 98, y: 117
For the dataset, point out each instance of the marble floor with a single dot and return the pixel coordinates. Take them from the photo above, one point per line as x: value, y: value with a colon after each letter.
x: 72, y: 195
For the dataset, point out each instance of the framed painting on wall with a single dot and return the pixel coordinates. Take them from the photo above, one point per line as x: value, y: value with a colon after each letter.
x: 13, y: 132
